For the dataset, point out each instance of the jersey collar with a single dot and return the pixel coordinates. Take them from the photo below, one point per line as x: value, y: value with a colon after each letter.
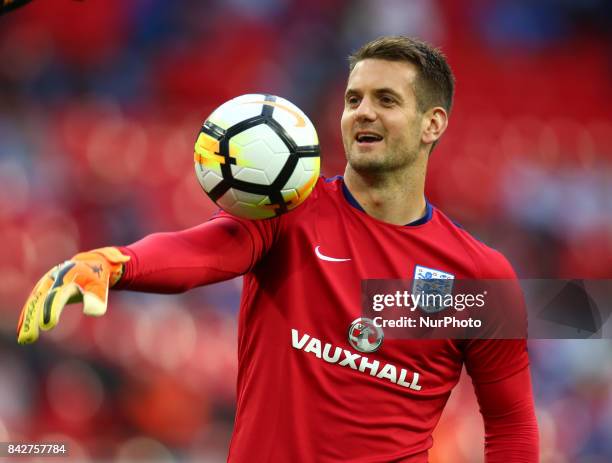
x: 353, y: 202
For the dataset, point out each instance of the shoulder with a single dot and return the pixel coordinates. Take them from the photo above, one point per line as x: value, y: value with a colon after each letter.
x: 328, y: 185
x: 490, y: 263
x: 329, y: 189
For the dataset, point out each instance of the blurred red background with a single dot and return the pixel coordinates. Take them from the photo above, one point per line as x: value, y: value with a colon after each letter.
x: 100, y: 103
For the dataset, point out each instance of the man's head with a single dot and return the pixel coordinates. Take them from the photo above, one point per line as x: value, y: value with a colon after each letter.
x: 434, y: 84
x: 400, y: 92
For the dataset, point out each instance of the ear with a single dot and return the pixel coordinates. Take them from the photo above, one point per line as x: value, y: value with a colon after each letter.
x: 435, y: 122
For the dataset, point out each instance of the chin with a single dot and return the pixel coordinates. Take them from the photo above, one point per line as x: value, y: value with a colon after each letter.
x: 368, y: 165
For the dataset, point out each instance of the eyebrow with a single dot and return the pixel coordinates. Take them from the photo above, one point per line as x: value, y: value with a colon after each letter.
x: 378, y: 91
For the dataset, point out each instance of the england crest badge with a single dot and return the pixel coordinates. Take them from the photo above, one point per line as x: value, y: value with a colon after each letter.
x: 434, y: 287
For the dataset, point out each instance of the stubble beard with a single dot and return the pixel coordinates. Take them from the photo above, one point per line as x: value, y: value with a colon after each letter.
x: 383, y: 163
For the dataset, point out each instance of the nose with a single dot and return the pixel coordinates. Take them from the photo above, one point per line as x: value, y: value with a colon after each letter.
x: 365, y: 111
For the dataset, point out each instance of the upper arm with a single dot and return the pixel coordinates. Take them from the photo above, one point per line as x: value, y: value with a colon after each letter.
x: 217, y: 250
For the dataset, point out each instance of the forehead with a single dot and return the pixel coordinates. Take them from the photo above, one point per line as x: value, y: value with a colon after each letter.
x: 371, y: 74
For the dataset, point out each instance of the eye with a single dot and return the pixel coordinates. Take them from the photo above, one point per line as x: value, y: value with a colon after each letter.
x: 387, y: 100
x: 352, y: 100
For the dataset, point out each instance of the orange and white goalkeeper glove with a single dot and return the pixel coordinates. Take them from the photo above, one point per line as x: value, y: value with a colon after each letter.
x: 84, y: 278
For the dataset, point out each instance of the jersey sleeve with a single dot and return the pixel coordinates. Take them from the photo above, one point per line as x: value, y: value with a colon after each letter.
x: 499, y: 369
x: 502, y: 349
x: 220, y: 249
x: 511, y: 428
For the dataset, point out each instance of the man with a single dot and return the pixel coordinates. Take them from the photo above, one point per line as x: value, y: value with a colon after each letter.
x: 307, y: 390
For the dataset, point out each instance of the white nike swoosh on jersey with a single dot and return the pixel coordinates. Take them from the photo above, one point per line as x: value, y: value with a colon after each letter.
x: 322, y: 256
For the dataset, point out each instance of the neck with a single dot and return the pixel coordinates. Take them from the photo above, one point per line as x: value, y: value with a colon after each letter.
x: 397, y: 198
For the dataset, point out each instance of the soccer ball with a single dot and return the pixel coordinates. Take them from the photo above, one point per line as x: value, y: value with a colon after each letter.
x: 257, y: 156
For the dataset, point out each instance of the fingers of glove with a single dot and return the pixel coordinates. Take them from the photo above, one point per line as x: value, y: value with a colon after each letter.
x: 59, y: 296
x: 72, y: 281
x: 65, y: 290
x: 85, y: 281
x: 94, y: 306
x: 27, y: 327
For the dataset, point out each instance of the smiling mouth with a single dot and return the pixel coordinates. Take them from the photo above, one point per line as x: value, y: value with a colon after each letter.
x: 367, y: 138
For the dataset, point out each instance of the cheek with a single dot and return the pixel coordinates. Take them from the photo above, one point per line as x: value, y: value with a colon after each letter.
x: 407, y: 131
x: 345, y: 123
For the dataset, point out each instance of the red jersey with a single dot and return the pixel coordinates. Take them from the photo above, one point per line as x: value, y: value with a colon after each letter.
x: 305, y: 393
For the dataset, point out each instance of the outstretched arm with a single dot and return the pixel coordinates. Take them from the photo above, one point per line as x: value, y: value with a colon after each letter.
x: 214, y: 251
x: 217, y: 250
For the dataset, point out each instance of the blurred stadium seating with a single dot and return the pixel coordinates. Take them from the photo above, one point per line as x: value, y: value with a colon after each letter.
x: 100, y: 102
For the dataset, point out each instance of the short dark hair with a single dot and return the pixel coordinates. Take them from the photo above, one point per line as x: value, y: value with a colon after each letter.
x: 435, y: 83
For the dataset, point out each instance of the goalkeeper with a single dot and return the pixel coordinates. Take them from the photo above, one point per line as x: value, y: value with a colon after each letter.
x: 307, y: 392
